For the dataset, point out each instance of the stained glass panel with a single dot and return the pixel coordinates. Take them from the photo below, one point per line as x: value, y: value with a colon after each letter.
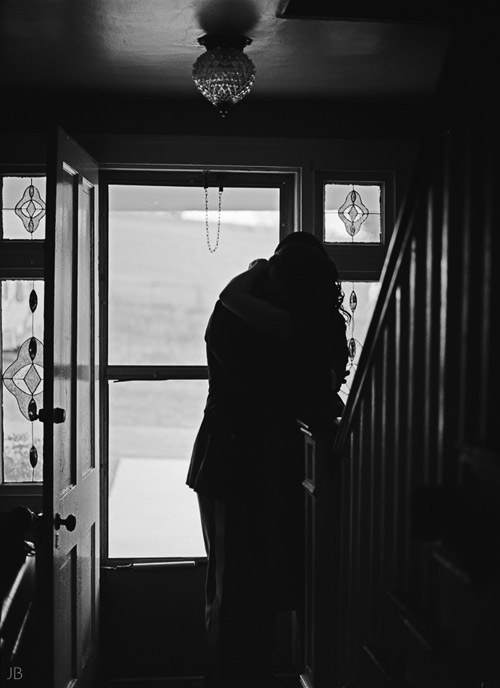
x: 352, y: 213
x: 23, y: 207
x: 359, y: 301
x: 22, y: 379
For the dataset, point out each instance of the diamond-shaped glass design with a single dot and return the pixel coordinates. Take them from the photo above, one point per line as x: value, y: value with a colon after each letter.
x: 22, y: 207
x: 23, y: 377
x: 30, y: 208
x: 32, y: 379
x: 352, y: 212
x: 22, y: 363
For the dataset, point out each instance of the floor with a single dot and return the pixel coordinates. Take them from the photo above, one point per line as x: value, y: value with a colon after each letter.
x: 283, y: 682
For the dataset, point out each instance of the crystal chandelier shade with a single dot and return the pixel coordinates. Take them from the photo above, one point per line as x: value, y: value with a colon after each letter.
x: 224, y: 74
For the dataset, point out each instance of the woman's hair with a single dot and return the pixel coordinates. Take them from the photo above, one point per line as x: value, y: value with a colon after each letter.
x: 309, y: 278
x: 302, y: 239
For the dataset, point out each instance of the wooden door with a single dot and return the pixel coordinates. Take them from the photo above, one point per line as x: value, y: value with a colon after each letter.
x: 70, y: 544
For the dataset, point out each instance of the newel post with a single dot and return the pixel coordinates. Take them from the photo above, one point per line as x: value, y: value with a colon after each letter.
x: 322, y: 547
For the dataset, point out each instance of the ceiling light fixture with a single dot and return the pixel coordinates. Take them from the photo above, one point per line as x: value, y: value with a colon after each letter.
x: 224, y: 74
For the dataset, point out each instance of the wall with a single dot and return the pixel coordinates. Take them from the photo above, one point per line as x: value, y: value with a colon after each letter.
x: 22, y: 151
x: 402, y: 118
x: 141, y: 618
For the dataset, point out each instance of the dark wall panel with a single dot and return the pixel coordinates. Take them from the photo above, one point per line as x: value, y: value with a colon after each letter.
x: 419, y: 583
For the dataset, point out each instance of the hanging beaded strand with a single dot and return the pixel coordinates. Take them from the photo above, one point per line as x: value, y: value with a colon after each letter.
x: 211, y: 248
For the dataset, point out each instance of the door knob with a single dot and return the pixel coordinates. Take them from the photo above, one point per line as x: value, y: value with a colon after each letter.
x: 69, y: 523
x: 57, y: 415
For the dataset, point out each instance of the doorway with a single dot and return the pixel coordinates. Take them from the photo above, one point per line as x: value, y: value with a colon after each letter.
x: 170, y: 241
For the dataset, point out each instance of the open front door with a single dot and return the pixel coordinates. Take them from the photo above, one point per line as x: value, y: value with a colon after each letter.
x: 70, y: 542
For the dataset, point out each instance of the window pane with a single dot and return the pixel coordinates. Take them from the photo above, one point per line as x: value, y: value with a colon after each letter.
x: 163, y: 280
x: 22, y: 379
x: 152, y: 427
x: 353, y: 213
x: 366, y: 295
x: 28, y: 195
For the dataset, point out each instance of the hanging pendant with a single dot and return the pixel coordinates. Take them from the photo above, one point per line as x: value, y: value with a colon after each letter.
x: 33, y: 456
x: 351, y: 346
x: 32, y: 410
x: 33, y: 301
x: 32, y: 348
x: 353, y: 301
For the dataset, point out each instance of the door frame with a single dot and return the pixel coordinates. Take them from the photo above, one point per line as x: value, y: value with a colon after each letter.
x: 287, y: 180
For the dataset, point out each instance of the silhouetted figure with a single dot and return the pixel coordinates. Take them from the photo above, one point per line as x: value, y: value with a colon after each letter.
x: 17, y: 593
x: 19, y: 523
x: 276, y: 350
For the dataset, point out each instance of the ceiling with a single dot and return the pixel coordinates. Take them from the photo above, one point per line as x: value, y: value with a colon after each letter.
x: 146, y: 48
x: 149, y: 46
